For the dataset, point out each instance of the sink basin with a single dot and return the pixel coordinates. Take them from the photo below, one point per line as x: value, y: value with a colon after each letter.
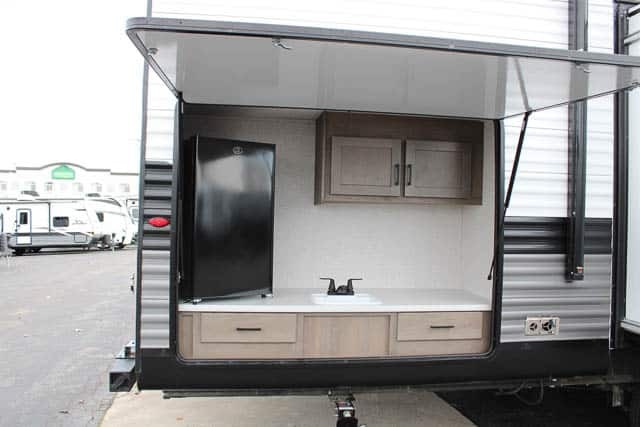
x: 324, y: 299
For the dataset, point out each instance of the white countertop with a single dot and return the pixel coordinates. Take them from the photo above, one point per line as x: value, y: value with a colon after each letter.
x: 391, y: 300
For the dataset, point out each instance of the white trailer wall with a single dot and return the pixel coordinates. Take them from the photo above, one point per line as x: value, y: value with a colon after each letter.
x: 541, y: 188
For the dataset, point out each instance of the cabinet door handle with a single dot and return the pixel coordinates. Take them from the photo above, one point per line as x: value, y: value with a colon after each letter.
x: 248, y: 329
x: 408, y: 174
x: 396, y: 171
x: 442, y: 326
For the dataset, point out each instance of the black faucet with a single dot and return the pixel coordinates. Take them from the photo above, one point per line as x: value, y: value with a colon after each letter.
x: 340, y: 290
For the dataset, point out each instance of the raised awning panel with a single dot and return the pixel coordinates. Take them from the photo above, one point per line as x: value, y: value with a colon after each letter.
x: 244, y: 64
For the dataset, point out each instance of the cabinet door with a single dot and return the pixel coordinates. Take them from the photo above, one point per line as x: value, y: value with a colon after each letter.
x: 438, y: 169
x: 365, y: 166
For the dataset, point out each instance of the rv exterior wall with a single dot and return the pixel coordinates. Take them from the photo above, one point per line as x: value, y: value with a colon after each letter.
x: 543, y: 24
x: 541, y: 187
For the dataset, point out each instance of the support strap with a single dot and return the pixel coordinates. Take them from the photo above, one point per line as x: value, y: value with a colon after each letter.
x: 512, y: 180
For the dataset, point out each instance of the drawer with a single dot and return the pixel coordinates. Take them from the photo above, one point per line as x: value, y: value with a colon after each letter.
x: 247, y: 328
x: 440, y: 326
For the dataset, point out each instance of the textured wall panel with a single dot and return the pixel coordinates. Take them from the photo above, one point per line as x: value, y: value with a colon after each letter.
x: 534, y: 285
x: 156, y: 255
x: 154, y: 323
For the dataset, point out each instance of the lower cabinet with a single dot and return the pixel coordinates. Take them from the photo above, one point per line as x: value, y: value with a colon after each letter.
x: 346, y: 335
x: 233, y: 336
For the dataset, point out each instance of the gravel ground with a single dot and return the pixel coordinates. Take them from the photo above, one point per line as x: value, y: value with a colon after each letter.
x: 63, y: 317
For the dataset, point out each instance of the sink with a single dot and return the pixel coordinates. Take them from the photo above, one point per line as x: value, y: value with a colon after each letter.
x: 324, y: 299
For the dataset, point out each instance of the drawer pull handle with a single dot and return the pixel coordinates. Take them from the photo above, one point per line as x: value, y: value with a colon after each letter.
x: 442, y: 326
x: 248, y: 329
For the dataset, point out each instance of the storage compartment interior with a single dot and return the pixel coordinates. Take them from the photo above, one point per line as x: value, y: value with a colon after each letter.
x: 407, y: 204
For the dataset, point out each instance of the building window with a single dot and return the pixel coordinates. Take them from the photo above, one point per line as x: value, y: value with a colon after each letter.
x: 30, y: 186
x: 96, y: 187
x: 3, y: 186
x: 100, y: 216
x: 60, y: 221
x: 48, y: 187
x: 124, y: 188
x: 24, y: 218
x: 77, y: 187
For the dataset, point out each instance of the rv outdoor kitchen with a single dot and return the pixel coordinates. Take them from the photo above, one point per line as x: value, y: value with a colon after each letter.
x: 335, y: 217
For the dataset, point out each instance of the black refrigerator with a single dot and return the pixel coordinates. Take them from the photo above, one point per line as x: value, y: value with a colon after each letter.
x: 231, y: 213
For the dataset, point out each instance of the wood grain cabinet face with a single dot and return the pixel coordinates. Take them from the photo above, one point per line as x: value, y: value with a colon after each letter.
x: 245, y: 328
x: 438, y: 169
x: 366, y: 166
x: 439, y: 326
x: 346, y: 336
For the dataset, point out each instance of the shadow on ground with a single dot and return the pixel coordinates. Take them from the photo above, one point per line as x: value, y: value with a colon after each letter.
x: 561, y: 407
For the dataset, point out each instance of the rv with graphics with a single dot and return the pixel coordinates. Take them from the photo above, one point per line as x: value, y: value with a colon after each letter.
x: 36, y: 224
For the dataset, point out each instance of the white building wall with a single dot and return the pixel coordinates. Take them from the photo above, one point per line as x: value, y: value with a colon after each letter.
x: 103, y: 181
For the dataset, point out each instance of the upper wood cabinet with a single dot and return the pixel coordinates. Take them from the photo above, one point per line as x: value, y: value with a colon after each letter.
x: 438, y: 169
x: 365, y: 166
x: 395, y: 159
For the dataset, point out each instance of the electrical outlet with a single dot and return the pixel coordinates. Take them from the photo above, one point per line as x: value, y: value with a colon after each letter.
x: 549, y: 325
x: 532, y: 326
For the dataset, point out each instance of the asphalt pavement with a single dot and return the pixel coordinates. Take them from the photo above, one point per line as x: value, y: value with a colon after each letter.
x: 63, y: 316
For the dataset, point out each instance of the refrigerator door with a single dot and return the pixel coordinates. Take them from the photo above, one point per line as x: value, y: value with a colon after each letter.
x: 232, y: 218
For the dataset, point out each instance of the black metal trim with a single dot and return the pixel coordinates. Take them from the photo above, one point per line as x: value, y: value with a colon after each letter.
x: 545, y: 235
x: 619, y: 336
x: 176, y: 250
x: 508, y: 361
x: 122, y: 375
x: 577, y: 159
x: 498, y: 267
x: 512, y: 181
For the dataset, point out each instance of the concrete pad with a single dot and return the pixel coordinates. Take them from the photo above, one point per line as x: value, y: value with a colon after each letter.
x: 389, y: 409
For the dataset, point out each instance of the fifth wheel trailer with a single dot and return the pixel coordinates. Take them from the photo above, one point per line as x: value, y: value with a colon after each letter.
x: 416, y: 162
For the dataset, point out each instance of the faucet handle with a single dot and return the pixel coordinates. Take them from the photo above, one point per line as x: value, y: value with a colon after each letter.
x: 350, y: 284
x: 332, y: 284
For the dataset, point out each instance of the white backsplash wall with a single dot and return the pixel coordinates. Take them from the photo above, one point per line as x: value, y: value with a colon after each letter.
x: 478, y: 226
x: 389, y: 246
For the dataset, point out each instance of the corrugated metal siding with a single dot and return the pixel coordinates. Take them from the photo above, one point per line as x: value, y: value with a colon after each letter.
x: 156, y: 245
x: 599, y: 201
x: 540, y: 23
x: 534, y: 285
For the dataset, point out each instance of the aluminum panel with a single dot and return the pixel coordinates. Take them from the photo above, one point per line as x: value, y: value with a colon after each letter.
x: 155, y: 269
x: 375, y: 72
x: 154, y: 323
x: 534, y: 286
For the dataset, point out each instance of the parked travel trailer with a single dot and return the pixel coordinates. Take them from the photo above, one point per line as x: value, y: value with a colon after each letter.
x: 33, y: 225
x: 114, y: 221
x: 414, y: 196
